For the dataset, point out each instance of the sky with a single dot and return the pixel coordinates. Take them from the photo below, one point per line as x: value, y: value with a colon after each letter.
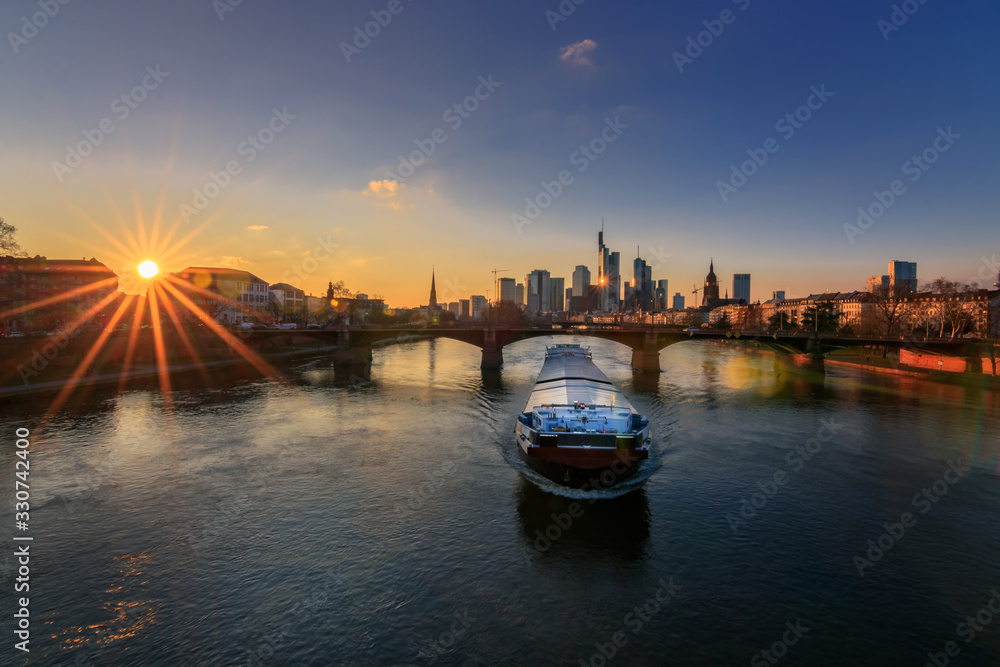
x: 281, y: 139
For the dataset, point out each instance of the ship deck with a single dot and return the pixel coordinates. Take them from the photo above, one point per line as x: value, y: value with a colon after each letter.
x: 573, y: 395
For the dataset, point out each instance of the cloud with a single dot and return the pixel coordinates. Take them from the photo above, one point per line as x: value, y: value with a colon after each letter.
x: 579, y: 53
x: 258, y: 228
x: 386, y: 193
x: 230, y: 262
x: 385, y: 188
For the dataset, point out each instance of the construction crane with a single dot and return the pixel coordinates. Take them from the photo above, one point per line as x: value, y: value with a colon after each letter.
x: 495, y: 272
x: 696, y: 290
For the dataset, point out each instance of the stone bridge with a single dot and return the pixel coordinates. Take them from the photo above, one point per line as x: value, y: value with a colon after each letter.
x: 646, y: 342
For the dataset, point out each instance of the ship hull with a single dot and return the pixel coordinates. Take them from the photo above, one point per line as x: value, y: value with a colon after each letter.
x: 591, y: 471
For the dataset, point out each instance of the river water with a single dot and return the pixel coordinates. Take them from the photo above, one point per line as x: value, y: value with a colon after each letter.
x: 324, y: 521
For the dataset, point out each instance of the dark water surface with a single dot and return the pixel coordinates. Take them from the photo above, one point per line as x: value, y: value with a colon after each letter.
x: 389, y: 522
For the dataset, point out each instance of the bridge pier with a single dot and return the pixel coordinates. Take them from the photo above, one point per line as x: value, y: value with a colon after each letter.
x: 492, y: 353
x: 351, y: 362
x: 647, y: 358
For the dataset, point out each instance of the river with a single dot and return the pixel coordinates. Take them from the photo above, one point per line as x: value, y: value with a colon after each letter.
x: 324, y: 521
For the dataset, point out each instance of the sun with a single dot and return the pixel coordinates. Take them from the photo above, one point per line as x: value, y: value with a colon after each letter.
x: 148, y: 269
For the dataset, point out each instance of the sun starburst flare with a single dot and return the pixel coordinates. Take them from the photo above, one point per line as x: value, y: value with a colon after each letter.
x: 148, y: 269
x: 173, y: 313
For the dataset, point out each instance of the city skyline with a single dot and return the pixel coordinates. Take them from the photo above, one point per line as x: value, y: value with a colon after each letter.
x: 260, y: 157
x: 988, y: 272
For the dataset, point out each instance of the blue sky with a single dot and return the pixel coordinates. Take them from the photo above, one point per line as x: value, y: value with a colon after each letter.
x: 656, y: 185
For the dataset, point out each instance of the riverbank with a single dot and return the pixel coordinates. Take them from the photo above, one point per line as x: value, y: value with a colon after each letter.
x: 874, y: 364
x: 148, y: 371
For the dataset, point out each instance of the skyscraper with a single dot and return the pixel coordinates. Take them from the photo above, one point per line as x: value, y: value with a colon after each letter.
x: 902, y: 277
x: 608, y: 275
x: 557, y: 294
x: 506, y: 289
x: 538, y: 291
x: 660, y: 295
x: 876, y: 283
x: 479, y: 304
x: 614, y: 282
x: 741, y: 286
x: 519, y: 294
x: 678, y: 301
x: 642, y: 284
x: 581, y: 280
x: 711, y: 293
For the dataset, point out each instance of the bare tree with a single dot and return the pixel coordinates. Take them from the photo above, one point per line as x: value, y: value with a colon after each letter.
x: 887, y: 303
x: 991, y: 334
x: 340, y: 290
x: 693, y: 318
x: 951, y: 300
x: 8, y: 246
x: 751, y: 318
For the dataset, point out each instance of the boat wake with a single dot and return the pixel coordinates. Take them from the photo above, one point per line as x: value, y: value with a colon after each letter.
x: 645, y: 471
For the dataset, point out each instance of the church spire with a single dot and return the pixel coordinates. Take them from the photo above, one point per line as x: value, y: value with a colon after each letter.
x: 433, y: 301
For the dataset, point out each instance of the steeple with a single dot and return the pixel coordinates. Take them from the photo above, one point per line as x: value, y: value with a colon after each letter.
x: 711, y: 293
x: 433, y: 303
